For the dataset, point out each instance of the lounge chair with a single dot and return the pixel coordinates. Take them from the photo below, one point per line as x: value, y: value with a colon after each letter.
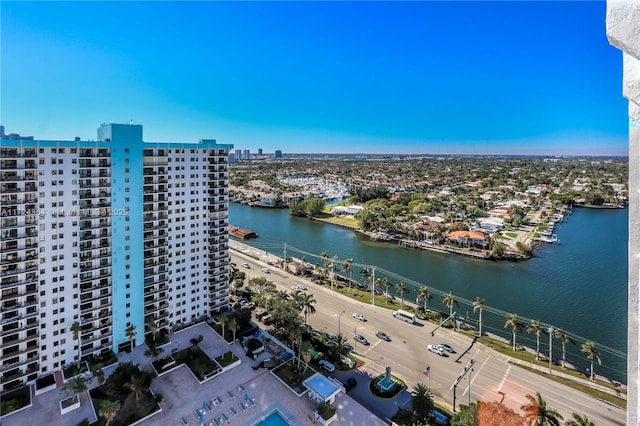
x: 216, y: 421
x: 184, y: 421
x: 220, y: 400
x: 233, y: 411
x: 243, y: 406
x: 230, y: 394
x: 252, y: 402
x: 241, y: 388
x: 225, y: 418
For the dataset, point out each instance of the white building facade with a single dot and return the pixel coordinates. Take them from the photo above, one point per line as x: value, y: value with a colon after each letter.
x: 623, y: 32
x: 107, y: 234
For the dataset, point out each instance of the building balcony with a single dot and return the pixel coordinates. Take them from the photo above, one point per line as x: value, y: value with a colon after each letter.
x: 19, y: 363
x: 6, y: 321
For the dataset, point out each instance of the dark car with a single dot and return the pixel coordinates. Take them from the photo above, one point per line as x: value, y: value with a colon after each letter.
x: 350, y: 383
x: 384, y: 336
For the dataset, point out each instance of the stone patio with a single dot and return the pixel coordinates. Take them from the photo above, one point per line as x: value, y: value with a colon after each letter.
x: 182, y: 394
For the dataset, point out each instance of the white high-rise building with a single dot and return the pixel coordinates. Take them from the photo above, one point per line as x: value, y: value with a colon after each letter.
x: 108, y: 234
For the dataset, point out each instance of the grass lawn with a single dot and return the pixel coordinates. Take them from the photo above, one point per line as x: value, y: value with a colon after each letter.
x: 226, y: 359
x: 15, y: 399
x: 198, y: 362
x: 345, y: 221
x: 293, y: 377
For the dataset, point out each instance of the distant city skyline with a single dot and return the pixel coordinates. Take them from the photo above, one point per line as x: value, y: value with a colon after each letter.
x: 478, y: 78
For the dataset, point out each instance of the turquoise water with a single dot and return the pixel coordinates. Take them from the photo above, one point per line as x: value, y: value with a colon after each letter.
x: 579, y: 284
x: 273, y: 419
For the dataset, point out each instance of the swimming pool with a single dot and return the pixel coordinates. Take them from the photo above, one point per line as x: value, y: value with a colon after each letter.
x: 275, y: 418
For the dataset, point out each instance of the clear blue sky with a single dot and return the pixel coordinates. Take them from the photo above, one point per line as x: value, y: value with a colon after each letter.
x: 370, y: 77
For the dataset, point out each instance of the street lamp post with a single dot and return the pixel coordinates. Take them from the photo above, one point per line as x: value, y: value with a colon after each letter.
x: 550, y: 347
x: 339, y: 318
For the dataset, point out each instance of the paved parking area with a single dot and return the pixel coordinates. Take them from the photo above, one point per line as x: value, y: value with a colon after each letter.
x: 182, y: 394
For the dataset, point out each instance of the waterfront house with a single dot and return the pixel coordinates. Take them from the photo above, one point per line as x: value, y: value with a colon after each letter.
x: 467, y: 238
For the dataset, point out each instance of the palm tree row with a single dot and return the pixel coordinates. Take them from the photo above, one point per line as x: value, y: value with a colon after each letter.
x: 425, y: 297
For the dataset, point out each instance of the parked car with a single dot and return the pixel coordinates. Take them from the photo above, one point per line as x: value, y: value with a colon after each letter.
x: 265, y: 270
x: 299, y: 287
x: 436, y: 350
x: 348, y: 384
x: 360, y: 338
x: 446, y: 347
x: 384, y: 336
x: 327, y: 365
x: 248, y: 305
x: 245, y: 265
x: 359, y: 317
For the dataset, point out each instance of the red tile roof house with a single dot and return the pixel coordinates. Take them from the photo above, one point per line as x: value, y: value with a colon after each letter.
x: 462, y: 238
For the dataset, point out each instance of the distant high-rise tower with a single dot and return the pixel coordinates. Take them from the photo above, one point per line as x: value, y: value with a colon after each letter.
x: 238, y: 155
x: 259, y: 151
x: 278, y: 153
x: 246, y: 155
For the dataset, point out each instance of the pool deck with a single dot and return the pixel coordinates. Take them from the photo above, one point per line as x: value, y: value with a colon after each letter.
x: 182, y: 394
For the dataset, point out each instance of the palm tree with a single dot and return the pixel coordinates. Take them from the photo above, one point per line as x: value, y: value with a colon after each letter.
x: 109, y: 410
x: 402, y: 291
x: 578, y: 420
x: 342, y: 347
x: 589, y: 347
x: 422, y: 401
x: 307, y: 301
x: 478, y: 306
x: 153, y: 328
x: 75, y: 329
x: 450, y: 302
x: 325, y: 257
x: 564, y: 339
x: 387, y: 286
x: 347, y: 266
x: 223, y: 320
x: 516, y: 326
x: 305, y: 349
x: 536, y: 328
x: 424, y: 296
x: 334, y: 259
x: 130, y: 332
x: 99, y: 374
x: 233, y: 326
x: 137, y: 386
x: 296, y: 340
x: 364, y: 272
x: 536, y: 412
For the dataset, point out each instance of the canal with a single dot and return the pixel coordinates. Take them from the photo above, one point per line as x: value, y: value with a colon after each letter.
x: 578, y: 284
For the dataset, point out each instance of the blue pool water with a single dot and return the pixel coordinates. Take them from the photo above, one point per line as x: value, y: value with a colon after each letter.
x: 273, y: 419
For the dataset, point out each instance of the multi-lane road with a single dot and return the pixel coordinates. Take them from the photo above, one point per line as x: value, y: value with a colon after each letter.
x: 492, y: 377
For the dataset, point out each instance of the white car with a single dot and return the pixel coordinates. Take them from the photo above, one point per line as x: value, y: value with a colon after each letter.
x: 302, y: 287
x: 436, y: 350
x: 265, y: 270
x: 359, y: 317
x: 245, y: 265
